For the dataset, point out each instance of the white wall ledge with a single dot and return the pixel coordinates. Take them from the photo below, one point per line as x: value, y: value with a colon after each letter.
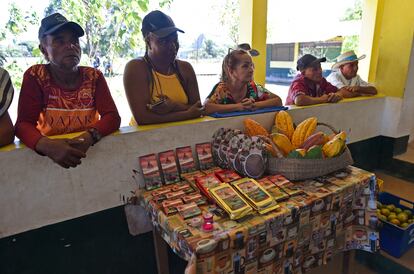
x: 35, y: 192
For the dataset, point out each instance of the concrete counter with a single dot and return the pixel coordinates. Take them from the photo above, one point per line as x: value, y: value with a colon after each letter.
x: 35, y: 192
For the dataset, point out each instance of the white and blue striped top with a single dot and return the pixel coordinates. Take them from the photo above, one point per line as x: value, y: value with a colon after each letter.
x: 6, y: 91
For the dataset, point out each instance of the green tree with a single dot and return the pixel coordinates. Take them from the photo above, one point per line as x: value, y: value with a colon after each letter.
x: 230, y: 19
x: 353, y: 13
x: 112, y: 27
x: 211, y: 50
x: 17, y: 23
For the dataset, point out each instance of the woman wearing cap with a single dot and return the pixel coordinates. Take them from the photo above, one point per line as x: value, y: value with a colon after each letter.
x: 309, y: 87
x: 236, y: 90
x: 345, y: 75
x: 160, y: 88
x: 62, y: 97
x: 6, y: 97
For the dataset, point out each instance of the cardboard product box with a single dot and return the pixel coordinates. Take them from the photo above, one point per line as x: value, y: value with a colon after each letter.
x: 169, y: 167
x: 185, y: 159
x: 204, y: 155
x: 150, y: 171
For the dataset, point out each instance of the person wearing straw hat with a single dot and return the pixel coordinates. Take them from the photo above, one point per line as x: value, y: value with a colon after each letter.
x: 309, y: 87
x: 6, y: 97
x: 345, y: 76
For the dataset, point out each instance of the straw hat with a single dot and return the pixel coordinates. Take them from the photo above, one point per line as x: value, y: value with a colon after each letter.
x: 347, y: 57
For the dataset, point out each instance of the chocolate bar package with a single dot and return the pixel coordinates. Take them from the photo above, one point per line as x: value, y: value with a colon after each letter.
x: 195, y: 197
x: 150, y: 171
x: 227, y: 176
x: 191, y: 177
x: 189, y: 210
x: 212, y: 170
x: 277, y: 193
x: 255, y: 195
x: 206, y: 182
x: 185, y: 159
x: 170, y: 206
x: 169, y: 167
x: 205, y: 158
x: 175, y: 194
x: 286, y: 185
x: 230, y: 201
x: 180, y: 186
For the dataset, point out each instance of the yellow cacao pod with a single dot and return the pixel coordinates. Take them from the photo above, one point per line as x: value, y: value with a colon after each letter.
x: 284, y: 123
x: 282, y: 142
x: 333, y: 147
x: 341, y: 135
x: 253, y: 128
x: 303, y: 131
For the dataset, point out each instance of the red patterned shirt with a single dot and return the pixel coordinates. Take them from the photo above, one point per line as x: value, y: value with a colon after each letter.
x: 47, y: 109
x: 303, y: 86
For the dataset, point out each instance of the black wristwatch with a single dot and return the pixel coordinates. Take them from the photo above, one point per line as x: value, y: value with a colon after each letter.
x: 96, y: 136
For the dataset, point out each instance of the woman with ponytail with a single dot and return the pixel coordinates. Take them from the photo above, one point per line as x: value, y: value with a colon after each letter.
x: 237, y: 90
x: 160, y: 88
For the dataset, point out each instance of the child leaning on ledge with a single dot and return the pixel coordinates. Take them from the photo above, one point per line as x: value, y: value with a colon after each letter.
x: 309, y: 87
x: 237, y: 90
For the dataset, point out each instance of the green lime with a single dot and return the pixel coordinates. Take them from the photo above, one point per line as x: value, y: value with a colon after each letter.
x: 402, y: 217
x: 391, y: 216
x: 395, y: 221
x: 385, y: 211
x: 398, y: 210
x: 404, y: 225
x: 391, y: 207
x: 408, y: 212
x: 382, y: 217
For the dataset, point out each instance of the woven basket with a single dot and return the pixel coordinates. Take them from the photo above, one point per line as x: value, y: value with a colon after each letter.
x: 300, y: 169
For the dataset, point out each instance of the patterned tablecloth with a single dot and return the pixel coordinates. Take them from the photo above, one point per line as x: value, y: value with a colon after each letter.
x: 329, y: 214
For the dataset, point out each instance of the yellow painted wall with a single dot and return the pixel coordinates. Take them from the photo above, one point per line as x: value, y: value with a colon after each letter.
x: 253, y: 30
x: 392, y: 42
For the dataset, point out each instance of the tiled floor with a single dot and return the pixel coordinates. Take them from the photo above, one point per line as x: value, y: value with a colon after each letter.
x: 336, y: 266
x: 409, y: 155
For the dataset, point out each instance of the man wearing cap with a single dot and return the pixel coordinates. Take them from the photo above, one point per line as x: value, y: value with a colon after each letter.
x: 345, y: 76
x: 160, y: 88
x: 62, y: 97
x: 309, y: 87
x: 6, y: 97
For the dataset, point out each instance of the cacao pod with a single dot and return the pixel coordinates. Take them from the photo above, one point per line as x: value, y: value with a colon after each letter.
x: 303, y: 131
x: 282, y: 142
x: 253, y: 128
x: 284, y: 123
x: 315, y: 139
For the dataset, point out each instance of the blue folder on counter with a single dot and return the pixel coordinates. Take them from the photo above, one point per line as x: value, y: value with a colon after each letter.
x: 246, y: 112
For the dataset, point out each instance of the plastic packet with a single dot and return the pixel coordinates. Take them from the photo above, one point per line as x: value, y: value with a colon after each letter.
x: 231, y: 201
x: 255, y: 195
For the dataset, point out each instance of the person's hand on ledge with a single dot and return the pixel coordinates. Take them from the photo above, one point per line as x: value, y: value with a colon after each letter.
x: 334, y: 98
x: 165, y: 107
x: 82, y: 142
x: 247, y: 104
x: 61, y: 151
x: 195, y: 111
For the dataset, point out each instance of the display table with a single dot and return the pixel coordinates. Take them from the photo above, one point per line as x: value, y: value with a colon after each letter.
x: 327, y: 215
